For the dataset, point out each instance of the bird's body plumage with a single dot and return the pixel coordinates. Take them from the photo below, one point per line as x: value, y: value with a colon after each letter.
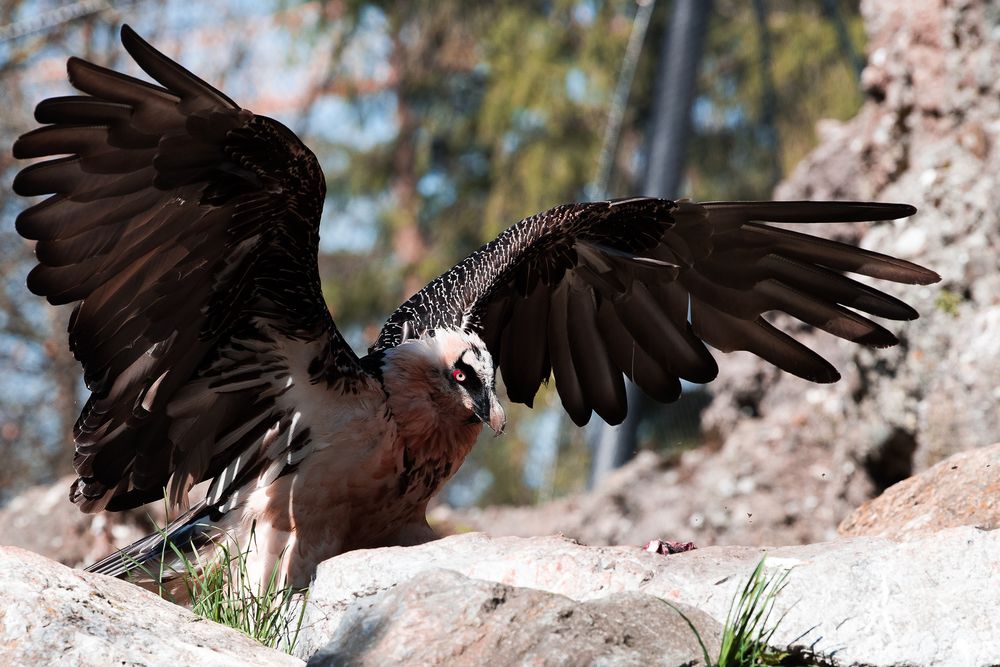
x: 348, y: 469
x: 186, y: 229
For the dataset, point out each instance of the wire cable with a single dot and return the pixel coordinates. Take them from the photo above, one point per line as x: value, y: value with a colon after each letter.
x: 598, y: 189
x: 53, y: 18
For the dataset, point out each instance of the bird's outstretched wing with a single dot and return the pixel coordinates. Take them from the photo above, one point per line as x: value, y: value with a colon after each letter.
x: 638, y: 286
x: 186, y: 229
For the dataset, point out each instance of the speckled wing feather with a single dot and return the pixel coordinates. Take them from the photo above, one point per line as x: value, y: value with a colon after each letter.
x: 592, y: 291
x: 186, y: 229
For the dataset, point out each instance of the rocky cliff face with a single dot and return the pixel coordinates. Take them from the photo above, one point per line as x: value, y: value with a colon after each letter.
x: 859, y: 601
x: 927, y: 136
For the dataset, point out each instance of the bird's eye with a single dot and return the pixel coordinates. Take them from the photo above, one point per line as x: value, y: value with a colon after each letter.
x: 458, y: 375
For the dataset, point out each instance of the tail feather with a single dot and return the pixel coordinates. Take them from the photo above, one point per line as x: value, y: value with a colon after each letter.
x: 166, y: 553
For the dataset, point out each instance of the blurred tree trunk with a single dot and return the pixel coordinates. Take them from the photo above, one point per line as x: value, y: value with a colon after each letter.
x: 847, y: 50
x: 768, y: 97
x: 676, y: 73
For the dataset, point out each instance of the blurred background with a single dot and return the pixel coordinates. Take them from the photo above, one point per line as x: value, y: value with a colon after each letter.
x: 439, y: 124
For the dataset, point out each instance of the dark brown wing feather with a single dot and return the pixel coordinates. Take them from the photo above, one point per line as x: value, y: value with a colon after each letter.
x: 186, y: 228
x: 638, y: 286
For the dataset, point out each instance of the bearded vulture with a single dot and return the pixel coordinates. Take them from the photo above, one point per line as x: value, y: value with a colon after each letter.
x: 185, y: 230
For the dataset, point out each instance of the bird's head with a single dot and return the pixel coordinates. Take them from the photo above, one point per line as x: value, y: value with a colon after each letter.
x: 458, y: 368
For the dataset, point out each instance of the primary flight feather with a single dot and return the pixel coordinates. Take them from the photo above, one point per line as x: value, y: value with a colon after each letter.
x: 185, y: 229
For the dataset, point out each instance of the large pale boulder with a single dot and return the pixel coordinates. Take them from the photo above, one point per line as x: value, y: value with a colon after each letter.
x: 962, y: 490
x: 856, y: 601
x: 442, y: 618
x: 928, y: 135
x: 52, y: 615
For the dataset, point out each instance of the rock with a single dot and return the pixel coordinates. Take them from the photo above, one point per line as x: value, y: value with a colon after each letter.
x: 50, y: 614
x: 442, y: 618
x: 768, y: 491
x: 963, y: 490
x: 936, y: 77
x: 855, y: 601
x: 43, y: 520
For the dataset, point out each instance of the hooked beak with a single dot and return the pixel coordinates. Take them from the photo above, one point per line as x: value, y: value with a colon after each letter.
x: 489, y: 411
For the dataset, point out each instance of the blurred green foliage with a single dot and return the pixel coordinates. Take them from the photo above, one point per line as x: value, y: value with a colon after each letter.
x: 812, y: 78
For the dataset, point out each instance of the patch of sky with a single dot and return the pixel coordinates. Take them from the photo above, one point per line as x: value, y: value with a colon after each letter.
x: 34, y: 310
x: 333, y: 161
x: 474, y: 163
x: 576, y: 84
x: 542, y: 431
x: 23, y: 363
x: 585, y: 12
x: 369, y: 51
x: 28, y: 387
x: 349, y: 226
x: 707, y: 115
x: 355, y: 335
x: 436, y: 185
x: 527, y: 120
x: 362, y: 125
x: 524, y: 122
x: 467, y: 489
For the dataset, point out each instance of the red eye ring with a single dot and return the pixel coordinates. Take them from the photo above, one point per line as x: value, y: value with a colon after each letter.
x: 458, y: 375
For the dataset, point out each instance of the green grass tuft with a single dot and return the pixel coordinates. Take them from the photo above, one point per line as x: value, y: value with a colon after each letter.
x: 226, y: 593
x: 746, y: 634
x: 221, y: 589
